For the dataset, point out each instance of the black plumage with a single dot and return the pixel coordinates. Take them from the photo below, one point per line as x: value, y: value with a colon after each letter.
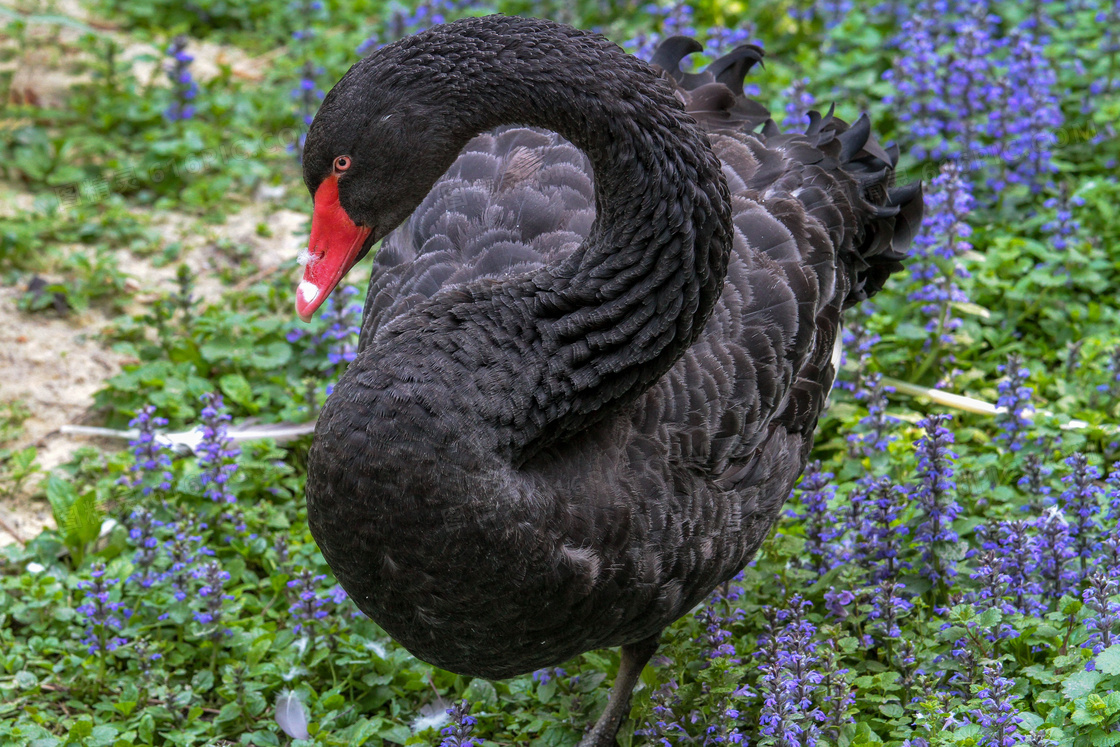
x: 593, y: 357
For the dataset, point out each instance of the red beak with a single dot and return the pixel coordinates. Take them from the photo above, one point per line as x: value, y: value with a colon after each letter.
x: 333, y: 249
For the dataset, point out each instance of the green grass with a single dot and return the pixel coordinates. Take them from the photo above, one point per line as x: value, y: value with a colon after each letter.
x: 99, y: 173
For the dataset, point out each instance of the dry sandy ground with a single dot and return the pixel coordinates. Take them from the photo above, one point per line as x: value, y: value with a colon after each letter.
x: 54, y: 365
x: 48, y: 65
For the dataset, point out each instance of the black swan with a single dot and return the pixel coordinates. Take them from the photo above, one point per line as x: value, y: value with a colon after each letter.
x: 587, y: 381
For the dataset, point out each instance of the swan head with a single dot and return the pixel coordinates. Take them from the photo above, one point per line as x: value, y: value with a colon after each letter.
x: 382, y: 137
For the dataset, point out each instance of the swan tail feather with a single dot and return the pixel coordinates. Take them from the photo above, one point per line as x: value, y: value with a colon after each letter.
x: 872, y: 222
x: 887, y: 216
x: 714, y: 96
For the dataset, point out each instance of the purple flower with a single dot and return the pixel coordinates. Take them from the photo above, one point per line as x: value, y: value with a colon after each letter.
x: 838, y: 602
x: 934, y: 492
x: 791, y: 675
x: 212, y: 595
x: 1006, y: 570
x: 819, y: 520
x: 936, y: 267
x: 798, y: 103
x: 1104, y: 617
x: 1081, y: 502
x: 672, y: 20
x: 1113, y: 482
x: 1052, y: 551
x: 142, y: 534
x: 887, y: 607
x: 183, y: 87
x: 974, y: 89
x: 838, y: 696
x: 1035, y: 474
x: 332, y: 347
x: 143, y: 653
x: 216, y: 454
x: 1014, y: 403
x: 857, y: 344
x: 151, y: 460
x: 309, y: 606
x: 831, y: 12
x: 666, y: 729
x: 874, y: 433
x: 458, y: 732
x: 999, y: 717
x: 879, y: 537
x: 716, y: 637
x: 308, y: 96
x: 1112, y: 388
x: 548, y: 674
x: 1063, y: 227
x: 1031, y: 115
x: 403, y: 22
x: 104, y: 616
x: 183, y: 550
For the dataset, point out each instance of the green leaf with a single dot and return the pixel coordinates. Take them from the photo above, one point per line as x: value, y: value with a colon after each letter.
x: 482, y: 691
x: 259, y: 649
x: 102, y: 735
x: 546, y: 690
x: 237, y: 388
x: 229, y: 712
x: 1041, y: 674
x: 1108, y: 661
x: 363, y: 731
x: 1080, y: 684
x: 398, y: 733
x: 61, y: 495
x: 271, y: 356
x: 81, y: 729
x: 1104, y: 738
x: 892, y: 710
x: 911, y: 331
x: 202, y: 681
x: 85, y: 519
x: 146, y: 729
x: 218, y: 351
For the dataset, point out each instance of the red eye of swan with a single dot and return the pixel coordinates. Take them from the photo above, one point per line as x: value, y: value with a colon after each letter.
x: 342, y: 163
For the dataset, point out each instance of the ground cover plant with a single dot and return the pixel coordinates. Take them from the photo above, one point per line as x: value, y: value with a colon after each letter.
x: 944, y: 574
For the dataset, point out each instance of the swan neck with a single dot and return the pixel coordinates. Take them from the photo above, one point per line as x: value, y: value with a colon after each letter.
x: 623, y: 307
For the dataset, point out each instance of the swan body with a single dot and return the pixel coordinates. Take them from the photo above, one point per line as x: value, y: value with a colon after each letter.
x: 594, y: 352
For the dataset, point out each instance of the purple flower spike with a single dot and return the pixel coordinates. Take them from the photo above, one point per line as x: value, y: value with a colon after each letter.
x: 819, y: 520
x: 798, y: 103
x: 1104, y: 617
x: 458, y: 732
x: 1053, y: 550
x: 1014, y: 416
x: 104, y: 617
x: 216, y: 452
x: 937, y: 268
x: 183, y: 87
x: 211, y: 592
x: 151, y: 460
x: 1081, y: 502
x: 790, y: 685
x: 935, y: 490
x: 311, y: 605
x: 997, y: 714
x: 874, y: 434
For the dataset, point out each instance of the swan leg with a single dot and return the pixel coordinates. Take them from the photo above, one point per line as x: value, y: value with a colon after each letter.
x: 634, y: 658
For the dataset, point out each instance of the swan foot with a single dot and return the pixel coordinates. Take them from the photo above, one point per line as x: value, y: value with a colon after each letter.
x: 634, y: 658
